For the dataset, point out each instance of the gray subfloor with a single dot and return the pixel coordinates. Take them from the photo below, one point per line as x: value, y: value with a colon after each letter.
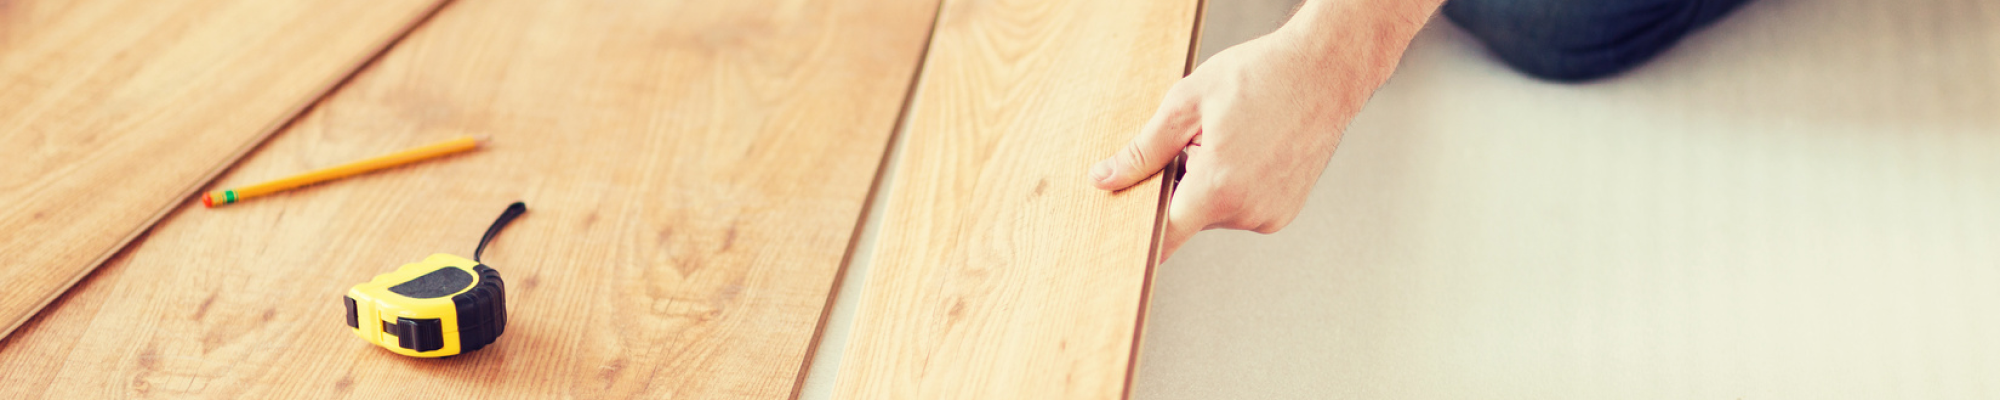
x: 1801, y: 202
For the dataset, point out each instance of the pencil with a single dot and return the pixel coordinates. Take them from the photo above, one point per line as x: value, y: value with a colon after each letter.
x: 221, y: 197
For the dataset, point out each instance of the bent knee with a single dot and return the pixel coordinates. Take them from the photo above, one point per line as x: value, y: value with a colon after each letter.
x: 1578, y: 40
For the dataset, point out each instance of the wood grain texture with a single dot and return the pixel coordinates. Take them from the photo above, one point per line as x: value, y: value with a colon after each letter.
x: 114, y: 111
x: 1001, y: 272
x: 693, y: 172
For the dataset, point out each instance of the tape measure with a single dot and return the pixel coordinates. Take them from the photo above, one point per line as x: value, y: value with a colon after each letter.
x: 441, y: 306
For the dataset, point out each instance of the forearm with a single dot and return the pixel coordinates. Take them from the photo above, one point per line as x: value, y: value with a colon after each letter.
x: 1373, y: 33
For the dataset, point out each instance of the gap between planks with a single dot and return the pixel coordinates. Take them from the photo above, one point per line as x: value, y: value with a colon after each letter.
x: 816, y: 378
x: 1169, y: 181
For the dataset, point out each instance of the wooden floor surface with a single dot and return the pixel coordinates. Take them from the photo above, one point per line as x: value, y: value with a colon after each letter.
x: 112, y: 112
x: 1001, y: 273
x: 693, y: 171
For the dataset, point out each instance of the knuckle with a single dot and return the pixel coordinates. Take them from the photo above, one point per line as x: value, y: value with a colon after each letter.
x: 1182, y: 99
x: 1133, y: 156
x: 1181, y: 91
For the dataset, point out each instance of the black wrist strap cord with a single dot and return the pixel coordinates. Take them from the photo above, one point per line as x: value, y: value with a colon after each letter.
x: 513, y: 210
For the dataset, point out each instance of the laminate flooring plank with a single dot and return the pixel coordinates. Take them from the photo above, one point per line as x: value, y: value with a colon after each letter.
x: 693, y: 172
x: 1001, y: 273
x: 114, y: 111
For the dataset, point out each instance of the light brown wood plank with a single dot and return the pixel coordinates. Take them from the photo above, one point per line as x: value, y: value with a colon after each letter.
x: 1001, y: 273
x: 693, y: 172
x: 113, y: 111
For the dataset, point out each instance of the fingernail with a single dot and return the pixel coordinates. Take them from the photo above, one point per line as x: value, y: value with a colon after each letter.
x: 1101, y: 171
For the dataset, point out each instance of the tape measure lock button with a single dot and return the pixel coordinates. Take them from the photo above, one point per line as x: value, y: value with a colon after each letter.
x: 420, y: 335
x: 441, y: 306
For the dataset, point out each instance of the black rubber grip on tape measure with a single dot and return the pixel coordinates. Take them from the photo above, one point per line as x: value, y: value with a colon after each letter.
x: 440, y: 283
x: 417, y: 334
x: 482, y: 310
x: 353, y: 317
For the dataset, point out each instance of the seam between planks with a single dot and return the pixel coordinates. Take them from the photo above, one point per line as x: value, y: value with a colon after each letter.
x: 868, y: 205
x: 230, y: 162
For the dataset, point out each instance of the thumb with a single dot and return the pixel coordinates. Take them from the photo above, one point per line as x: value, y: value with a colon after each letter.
x: 1163, y: 137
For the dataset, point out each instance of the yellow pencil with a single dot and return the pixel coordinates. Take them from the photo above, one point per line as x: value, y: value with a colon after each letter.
x: 221, y: 197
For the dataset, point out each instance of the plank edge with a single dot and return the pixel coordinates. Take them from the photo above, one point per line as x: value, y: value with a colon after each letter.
x: 208, y: 179
x: 1169, y: 180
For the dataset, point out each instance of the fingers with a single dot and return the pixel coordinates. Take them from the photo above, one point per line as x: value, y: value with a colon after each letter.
x: 1192, y: 210
x: 1176, y: 123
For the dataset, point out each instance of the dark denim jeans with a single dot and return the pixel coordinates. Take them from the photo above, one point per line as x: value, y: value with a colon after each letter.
x: 1577, y: 40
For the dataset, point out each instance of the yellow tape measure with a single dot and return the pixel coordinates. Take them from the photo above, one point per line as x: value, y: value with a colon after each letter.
x: 441, y: 306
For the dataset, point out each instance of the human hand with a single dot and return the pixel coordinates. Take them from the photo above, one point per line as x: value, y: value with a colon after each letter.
x: 1259, y: 122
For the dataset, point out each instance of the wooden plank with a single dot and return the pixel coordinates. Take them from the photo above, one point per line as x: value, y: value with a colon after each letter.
x: 1001, y: 273
x: 694, y: 171
x: 114, y: 111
